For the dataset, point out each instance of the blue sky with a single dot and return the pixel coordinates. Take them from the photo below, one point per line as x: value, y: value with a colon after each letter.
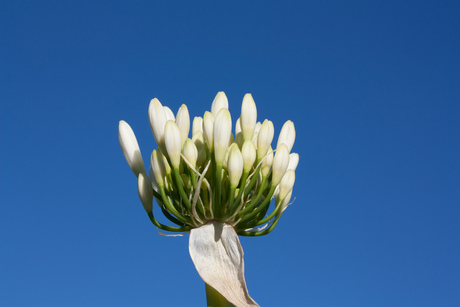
x: 373, y: 88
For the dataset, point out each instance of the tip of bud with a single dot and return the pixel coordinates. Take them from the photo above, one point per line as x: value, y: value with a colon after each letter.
x: 220, y: 101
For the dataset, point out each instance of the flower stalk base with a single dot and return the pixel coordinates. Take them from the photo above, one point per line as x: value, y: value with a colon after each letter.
x: 215, y: 299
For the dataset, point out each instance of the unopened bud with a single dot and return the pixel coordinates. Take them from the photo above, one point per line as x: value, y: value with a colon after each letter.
x: 287, y: 135
x: 173, y: 143
x: 222, y: 133
x: 249, y: 155
x: 130, y: 148
x: 248, y: 117
x: 169, y: 113
x: 144, y: 189
x: 293, y: 161
x: 286, y: 184
x: 235, y: 165
x: 197, y: 125
x: 157, y: 119
x: 190, y: 152
x: 280, y: 163
x: 220, y: 101
x: 265, y: 138
x: 158, y: 167
x: 267, y: 162
x: 183, y: 122
x: 208, y: 129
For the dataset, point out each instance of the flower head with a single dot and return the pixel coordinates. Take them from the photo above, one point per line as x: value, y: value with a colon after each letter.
x: 216, y: 183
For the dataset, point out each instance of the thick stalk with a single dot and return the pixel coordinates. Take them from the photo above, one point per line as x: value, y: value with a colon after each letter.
x: 215, y: 299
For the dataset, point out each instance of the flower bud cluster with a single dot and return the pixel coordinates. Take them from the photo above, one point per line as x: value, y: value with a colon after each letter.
x: 214, y: 174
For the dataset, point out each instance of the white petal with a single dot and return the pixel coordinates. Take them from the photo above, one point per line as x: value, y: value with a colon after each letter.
x: 218, y: 257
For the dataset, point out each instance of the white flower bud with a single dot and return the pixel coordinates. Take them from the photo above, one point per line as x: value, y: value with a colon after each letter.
x: 249, y: 155
x: 287, y: 135
x: 197, y: 125
x: 183, y: 122
x: 168, y: 113
x: 144, y: 189
x: 173, y: 143
x: 155, y: 185
x: 198, y: 140
x: 280, y: 163
x: 190, y: 152
x: 286, y: 184
x: 130, y: 148
x: 285, y: 202
x: 264, y: 138
x: 239, y: 139
x: 256, y: 133
x: 234, y: 165
x: 165, y: 162
x: 157, y: 119
x: 225, y: 162
x: 220, y: 101
x: 208, y: 129
x: 293, y: 161
x: 238, y: 126
x: 222, y: 133
x: 248, y: 116
x: 267, y: 162
x: 158, y: 167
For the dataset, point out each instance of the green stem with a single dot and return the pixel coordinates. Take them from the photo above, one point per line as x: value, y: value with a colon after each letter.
x: 215, y: 299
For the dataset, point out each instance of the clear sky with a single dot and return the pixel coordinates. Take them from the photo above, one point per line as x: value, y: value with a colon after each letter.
x: 373, y: 88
